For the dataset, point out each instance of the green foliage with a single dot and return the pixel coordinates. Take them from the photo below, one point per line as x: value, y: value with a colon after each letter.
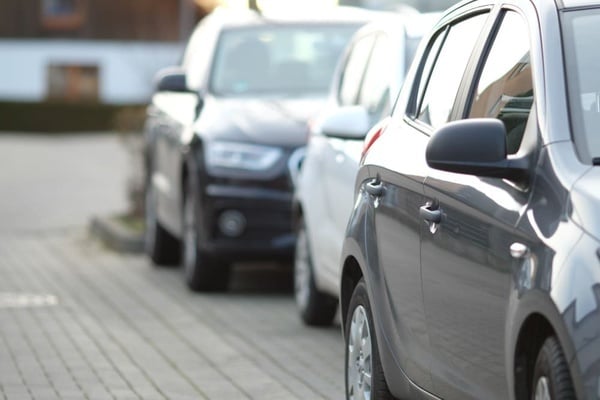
x: 53, y: 117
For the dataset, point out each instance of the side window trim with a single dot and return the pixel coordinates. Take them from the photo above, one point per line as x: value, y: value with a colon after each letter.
x: 486, y: 12
x: 482, y: 56
x: 476, y: 62
x: 515, y: 133
x: 414, y: 102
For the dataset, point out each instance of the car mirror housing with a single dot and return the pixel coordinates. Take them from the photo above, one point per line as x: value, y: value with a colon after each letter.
x: 351, y: 122
x: 171, y: 79
x: 477, y: 147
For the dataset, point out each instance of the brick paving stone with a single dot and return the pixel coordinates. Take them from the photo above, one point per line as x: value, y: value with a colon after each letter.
x: 80, y: 322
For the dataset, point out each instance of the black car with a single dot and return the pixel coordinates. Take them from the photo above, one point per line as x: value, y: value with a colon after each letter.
x: 471, y: 264
x: 220, y: 133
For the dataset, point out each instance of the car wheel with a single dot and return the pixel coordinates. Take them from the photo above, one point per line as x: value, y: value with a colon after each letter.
x: 364, y: 373
x: 551, y: 377
x: 202, y: 271
x: 162, y: 247
x: 316, y: 308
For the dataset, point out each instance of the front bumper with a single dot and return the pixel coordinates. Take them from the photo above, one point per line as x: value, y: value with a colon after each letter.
x: 267, y: 233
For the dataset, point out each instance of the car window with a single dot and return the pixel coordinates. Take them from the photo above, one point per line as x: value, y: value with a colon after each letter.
x: 448, y: 70
x: 431, y: 54
x: 581, y: 28
x: 375, y: 90
x: 354, y: 70
x: 278, y: 59
x: 505, y: 87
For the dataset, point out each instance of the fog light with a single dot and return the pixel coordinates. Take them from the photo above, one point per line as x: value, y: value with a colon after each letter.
x: 232, y: 223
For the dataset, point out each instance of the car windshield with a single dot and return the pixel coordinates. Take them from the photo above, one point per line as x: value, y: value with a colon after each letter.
x: 283, y: 59
x: 582, y: 34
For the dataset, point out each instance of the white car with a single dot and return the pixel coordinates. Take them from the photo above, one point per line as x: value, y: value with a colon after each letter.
x: 364, y: 88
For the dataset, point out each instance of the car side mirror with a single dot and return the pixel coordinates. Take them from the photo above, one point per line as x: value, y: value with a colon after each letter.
x: 171, y: 79
x: 350, y: 122
x: 477, y: 147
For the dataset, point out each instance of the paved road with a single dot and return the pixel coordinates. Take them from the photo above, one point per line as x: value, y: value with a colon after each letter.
x: 80, y: 322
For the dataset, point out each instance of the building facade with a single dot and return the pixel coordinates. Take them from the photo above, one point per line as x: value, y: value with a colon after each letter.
x: 102, y: 51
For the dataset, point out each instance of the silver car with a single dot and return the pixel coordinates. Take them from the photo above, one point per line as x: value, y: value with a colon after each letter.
x: 364, y: 88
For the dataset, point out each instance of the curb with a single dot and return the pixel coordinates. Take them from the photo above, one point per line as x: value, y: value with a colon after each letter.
x: 116, y: 236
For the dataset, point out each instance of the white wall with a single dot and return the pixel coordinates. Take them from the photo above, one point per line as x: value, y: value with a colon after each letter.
x: 126, y: 69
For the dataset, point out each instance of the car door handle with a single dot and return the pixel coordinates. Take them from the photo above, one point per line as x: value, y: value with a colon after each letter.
x: 434, y: 216
x: 374, y: 188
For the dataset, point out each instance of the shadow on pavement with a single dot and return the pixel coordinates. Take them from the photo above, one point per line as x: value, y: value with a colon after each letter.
x: 262, y: 278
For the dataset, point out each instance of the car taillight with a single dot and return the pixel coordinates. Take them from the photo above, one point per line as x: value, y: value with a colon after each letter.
x: 374, y: 134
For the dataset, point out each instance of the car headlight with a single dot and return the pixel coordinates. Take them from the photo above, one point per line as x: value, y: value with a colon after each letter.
x: 241, y: 156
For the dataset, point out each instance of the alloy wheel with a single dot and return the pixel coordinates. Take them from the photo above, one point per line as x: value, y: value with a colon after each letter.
x: 360, y: 362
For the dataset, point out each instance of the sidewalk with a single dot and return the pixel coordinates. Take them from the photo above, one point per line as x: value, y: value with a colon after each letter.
x: 55, y: 182
x: 78, y: 321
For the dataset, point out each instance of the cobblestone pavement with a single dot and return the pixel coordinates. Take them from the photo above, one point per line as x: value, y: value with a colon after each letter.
x: 80, y: 322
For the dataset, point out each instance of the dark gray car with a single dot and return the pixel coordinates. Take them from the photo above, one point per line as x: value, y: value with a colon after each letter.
x: 471, y: 266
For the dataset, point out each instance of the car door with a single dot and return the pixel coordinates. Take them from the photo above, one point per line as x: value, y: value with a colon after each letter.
x: 342, y: 164
x: 397, y: 165
x: 465, y: 258
x: 326, y: 202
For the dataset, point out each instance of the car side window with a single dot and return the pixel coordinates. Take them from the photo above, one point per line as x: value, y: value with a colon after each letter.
x: 432, y: 52
x: 445, y: 78
x: 505, y: 87
x: 375, y: 90
x: 354, y: 70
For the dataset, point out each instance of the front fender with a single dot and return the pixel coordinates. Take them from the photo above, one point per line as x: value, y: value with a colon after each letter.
x: 570, y: 304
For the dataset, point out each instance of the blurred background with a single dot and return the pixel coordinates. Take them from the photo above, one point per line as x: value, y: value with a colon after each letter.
x: 88, y: 65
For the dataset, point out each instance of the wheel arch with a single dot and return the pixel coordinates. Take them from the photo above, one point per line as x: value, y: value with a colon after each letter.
x: 538, y: 319
x: 191, y: 160
x: 351, y: 275
x: 533, y: 332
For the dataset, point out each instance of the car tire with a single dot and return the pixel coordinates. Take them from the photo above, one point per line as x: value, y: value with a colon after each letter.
x: 162, y: 247
x: 551, y: 376
x: 316, y: 308
x: 362, y: 353
x: 203, y: 272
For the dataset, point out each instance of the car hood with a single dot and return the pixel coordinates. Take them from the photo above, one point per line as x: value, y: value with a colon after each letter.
x: 585, y: 202
x: 269, y: 121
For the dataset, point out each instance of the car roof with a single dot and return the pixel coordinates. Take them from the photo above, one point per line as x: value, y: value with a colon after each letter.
x: 409, y: 23
x: 577, y: 3
x: 559, y: 4
x: 229, y: 18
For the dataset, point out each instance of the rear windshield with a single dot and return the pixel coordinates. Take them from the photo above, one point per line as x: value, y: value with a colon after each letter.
x: 283, y: 59
x: 581, y: 37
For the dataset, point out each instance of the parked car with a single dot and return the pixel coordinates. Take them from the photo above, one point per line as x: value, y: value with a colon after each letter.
x: 364, y: 88
x: 219, y: 134
x: 471, y: 264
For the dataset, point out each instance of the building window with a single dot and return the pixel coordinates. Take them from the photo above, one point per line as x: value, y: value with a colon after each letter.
x: 73, y: 82
x: 62, y: 15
